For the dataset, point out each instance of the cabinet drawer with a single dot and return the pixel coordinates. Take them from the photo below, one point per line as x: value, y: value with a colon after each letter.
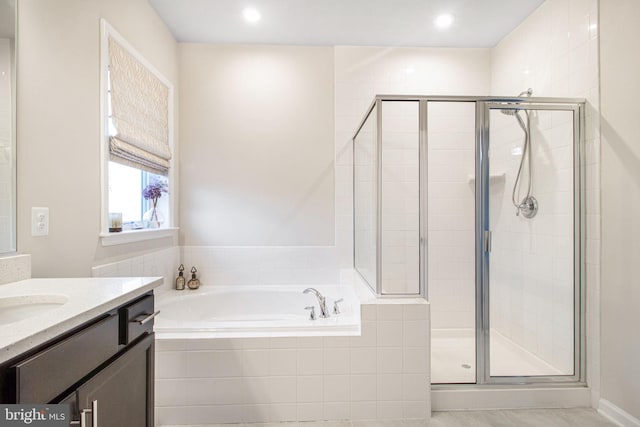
x: 136, y: 319
x: 59, y: 367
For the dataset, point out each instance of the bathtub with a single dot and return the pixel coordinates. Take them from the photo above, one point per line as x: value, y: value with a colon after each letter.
x: 250, y: 354
x: 254, y: 311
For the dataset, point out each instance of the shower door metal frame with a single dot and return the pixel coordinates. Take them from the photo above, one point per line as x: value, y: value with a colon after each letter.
x: 483, y: 243
x: 376, y: 106
x: 483, y: 106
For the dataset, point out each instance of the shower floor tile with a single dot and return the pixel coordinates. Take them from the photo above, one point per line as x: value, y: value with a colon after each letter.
x: 453, y: 357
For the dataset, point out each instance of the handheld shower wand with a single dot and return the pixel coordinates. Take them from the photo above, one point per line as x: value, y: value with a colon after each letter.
x: 528, y: 205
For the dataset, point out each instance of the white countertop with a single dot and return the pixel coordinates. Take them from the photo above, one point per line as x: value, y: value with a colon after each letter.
x: 86, y: 299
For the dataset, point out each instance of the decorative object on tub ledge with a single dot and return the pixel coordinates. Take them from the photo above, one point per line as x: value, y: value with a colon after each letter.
x: 194, y: 282
x: 153, y: 192
x: 180, y: 280
x: 321, y: 301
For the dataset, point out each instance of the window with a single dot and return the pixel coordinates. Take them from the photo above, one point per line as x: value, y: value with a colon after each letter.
x: 137, y: 140
x: 126, y: 185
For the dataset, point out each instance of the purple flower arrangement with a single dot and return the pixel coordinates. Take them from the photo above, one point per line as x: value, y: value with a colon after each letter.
x: 154, y: 190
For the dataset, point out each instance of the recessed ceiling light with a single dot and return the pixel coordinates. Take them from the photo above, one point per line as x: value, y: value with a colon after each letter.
x: 444, y: 21
x: 251, y: 15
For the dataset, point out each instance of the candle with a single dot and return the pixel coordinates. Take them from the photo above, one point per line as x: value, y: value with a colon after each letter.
x: 115, y: 222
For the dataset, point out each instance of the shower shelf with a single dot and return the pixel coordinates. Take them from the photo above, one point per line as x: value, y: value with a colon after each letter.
x: 492, y: 177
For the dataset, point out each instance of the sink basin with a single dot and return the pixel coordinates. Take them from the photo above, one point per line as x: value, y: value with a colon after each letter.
x: 16, y: 308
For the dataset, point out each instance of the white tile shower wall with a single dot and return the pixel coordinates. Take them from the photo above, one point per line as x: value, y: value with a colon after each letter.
x: 382, y: 374
x: 532, y: 259
x: 400, y: 197
x: 159, y: 263
x: 555, y: 52
x: 363, y: 72
x: 262, y: 265
x: 6, y: 143
x: 451, y: 214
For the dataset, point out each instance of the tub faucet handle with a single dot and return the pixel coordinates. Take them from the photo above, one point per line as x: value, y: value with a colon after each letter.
x: 312, y: 315
x: 336, y: 309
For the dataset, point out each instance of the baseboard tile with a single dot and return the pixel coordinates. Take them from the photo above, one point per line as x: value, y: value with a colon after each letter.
x: 617, y: 415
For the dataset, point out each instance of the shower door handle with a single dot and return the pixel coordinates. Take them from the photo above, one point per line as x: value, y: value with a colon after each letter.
x: 487, y: 241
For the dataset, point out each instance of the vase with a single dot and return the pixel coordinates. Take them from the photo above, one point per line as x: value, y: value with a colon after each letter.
x: 153, y: 218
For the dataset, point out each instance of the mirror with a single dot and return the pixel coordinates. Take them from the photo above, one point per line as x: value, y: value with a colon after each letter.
x: 7, y: 126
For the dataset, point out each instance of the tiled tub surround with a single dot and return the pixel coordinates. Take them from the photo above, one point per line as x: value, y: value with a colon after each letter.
x: 263, y: 265
x: 163, y: 263
x: 380, y: 374
x: 383, y: 373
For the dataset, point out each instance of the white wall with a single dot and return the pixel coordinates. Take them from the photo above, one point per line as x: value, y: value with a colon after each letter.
x: 359, y: 74
x: 257, y: 145
x: 554, y: 52
x: 59, y: 124
x: 620, y: 85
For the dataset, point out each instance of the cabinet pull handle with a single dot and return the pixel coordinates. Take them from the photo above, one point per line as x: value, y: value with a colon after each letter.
x: 144, y: 318
x: 94, y: 413
x: 83, y: 416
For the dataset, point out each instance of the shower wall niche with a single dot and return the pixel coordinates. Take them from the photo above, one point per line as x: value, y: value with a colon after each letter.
x: 435, y: 215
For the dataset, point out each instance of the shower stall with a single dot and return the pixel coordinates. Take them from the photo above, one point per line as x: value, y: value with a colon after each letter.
x: 477, y: 204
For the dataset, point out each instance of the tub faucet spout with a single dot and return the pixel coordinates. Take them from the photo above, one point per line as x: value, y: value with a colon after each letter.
x: 321, y: 301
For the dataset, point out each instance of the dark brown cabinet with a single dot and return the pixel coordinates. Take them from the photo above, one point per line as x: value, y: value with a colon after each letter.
x: 104, y: 370
x: 121, y: 394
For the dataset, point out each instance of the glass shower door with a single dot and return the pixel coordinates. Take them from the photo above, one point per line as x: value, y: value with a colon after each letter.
x: 533, y: 298
x: 451, y: 154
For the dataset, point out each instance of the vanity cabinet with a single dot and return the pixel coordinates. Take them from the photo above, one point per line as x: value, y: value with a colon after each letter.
x: 104, y: 369
x: 121, y: 394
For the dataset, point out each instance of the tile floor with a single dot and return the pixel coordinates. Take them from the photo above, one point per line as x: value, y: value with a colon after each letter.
x: 579, y: 417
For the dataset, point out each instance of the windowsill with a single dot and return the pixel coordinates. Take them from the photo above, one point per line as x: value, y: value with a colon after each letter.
x: 131, y: 236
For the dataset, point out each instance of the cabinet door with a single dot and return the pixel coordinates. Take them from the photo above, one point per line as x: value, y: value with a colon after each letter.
x: 123, y: 390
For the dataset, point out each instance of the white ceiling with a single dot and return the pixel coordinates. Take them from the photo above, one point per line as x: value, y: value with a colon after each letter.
x: 478, y: 23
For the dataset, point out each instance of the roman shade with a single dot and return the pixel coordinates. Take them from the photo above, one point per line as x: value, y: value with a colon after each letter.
x: 139, y: 135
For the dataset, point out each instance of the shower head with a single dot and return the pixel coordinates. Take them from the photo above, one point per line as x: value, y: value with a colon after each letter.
x: 527, y: 92
x: 514, y: 112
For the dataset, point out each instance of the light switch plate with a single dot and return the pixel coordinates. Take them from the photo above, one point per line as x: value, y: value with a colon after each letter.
x: 39, y: 221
